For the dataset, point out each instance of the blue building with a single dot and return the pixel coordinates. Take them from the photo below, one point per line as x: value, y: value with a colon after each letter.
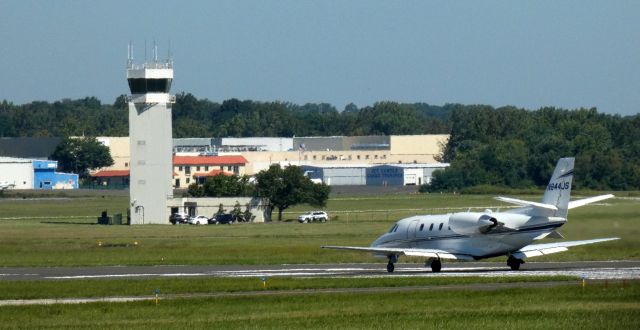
x: 45, y: 176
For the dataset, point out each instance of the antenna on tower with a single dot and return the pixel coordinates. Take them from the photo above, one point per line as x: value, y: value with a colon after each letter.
x: 130, y: 54
x: 145, y: 50
x: 155, y: 51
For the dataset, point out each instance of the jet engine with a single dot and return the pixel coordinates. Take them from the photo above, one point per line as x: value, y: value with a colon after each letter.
x: 472, y: 223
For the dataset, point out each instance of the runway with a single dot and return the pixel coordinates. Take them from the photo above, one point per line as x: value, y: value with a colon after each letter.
x: 597, y: 270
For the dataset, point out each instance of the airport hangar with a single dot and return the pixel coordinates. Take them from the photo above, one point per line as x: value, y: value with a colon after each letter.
x: 24, y: 173
x: 329, y: 152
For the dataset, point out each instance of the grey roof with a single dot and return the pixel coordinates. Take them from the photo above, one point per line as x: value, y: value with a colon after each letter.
x: 28, y: 147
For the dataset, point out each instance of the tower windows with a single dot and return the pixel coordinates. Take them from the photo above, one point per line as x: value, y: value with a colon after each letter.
x: 143, y: 86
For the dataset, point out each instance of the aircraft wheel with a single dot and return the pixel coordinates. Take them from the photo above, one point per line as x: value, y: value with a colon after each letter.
x: 436, y: 266
x: 390, y: 267
x: 514, y: 263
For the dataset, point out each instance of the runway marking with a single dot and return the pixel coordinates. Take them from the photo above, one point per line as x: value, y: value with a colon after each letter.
x: 587, y: 273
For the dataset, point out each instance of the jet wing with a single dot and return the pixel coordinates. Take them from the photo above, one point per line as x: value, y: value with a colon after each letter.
x: 535, y: 250
x: 429, y: 253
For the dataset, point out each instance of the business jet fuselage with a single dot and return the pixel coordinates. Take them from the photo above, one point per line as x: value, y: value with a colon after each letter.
x: 478, y: 235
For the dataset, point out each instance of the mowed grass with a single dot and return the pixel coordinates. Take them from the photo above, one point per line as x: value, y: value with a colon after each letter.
x: 89, y: 288
x: 563, y: 307
x: 62, y: 232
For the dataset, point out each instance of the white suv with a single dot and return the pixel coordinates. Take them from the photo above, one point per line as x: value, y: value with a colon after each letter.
x: 314, y: 216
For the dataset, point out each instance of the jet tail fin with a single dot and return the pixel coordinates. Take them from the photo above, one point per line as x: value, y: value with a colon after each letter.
x: 558, y: 190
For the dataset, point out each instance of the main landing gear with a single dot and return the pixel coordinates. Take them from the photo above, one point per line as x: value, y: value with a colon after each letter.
x: 392, y: 259
x: 514, y: 263
x: 436, y: 265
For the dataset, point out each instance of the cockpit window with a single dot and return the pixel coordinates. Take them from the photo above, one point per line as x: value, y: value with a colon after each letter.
x: 394, y: 228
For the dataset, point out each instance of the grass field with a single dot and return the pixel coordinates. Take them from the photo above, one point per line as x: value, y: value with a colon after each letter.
x: 58, y: 231
x: 564, y: 307
x: 62, y: 232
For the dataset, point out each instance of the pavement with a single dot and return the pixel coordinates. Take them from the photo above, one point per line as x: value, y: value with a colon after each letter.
x: 596, y: 270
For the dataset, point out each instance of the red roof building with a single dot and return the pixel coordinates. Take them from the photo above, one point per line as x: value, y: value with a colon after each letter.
x: 190, y: 168
x: 186, y: 170
x: 111, y: 178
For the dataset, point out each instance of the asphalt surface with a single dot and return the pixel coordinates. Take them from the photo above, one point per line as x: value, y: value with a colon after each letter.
x: 598, y: 270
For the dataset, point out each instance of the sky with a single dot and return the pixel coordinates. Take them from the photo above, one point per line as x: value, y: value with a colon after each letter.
x: 528, y: 54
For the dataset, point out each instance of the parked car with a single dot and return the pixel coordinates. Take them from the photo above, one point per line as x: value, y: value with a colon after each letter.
x: 321, y: 216
x: 179, y: 217
x: 224, y: 219
x: 198, y: 220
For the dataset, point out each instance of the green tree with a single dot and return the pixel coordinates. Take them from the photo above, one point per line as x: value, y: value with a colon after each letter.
x: 286, y: 187
x: 79, y: 155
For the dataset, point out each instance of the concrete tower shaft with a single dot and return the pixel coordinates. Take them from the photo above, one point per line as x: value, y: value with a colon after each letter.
x: 150, y: 135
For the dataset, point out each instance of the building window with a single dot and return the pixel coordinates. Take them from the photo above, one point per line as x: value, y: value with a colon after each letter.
x: 375, y: 156
x: 206, y: 168
x: 126, y: 164
x: 179, y: 168
x: 187, y: 170
x: 314, y: 157
x: 358, y: 156
x: 221, y: 168
x: 188, y: 180
x: 366, y: 157
x: 230, y: 168
x: 198, y: 169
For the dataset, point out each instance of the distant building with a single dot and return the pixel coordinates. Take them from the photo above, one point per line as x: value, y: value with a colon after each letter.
x: 261, y: 152
x: 112, y: 178
x: 372, y: 175
x: 35, y: 174
x: 188, y: 169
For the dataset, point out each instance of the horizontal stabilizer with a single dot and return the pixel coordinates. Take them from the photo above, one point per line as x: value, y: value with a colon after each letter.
x: 585, y: 201
x: 535, y: 250
x: 527, y: 203
x: 429, y: 253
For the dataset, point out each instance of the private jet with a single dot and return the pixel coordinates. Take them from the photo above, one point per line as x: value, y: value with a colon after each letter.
x: 6, y: 185
x: 468, y: 236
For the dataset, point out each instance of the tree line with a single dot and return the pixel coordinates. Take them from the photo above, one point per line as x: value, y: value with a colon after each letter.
x: 504, y: 146
x: 518, y: 148
x: 193, y: 117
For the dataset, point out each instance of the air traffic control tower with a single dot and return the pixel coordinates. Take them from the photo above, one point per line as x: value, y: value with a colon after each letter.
x: 150, y: 136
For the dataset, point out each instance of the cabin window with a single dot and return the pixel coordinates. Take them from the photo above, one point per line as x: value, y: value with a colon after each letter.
x: 440, y: 227
x: 421, y: 227
x: 431, y: 227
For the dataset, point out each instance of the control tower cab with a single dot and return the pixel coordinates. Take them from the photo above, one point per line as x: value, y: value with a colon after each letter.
x: 150, y: 136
